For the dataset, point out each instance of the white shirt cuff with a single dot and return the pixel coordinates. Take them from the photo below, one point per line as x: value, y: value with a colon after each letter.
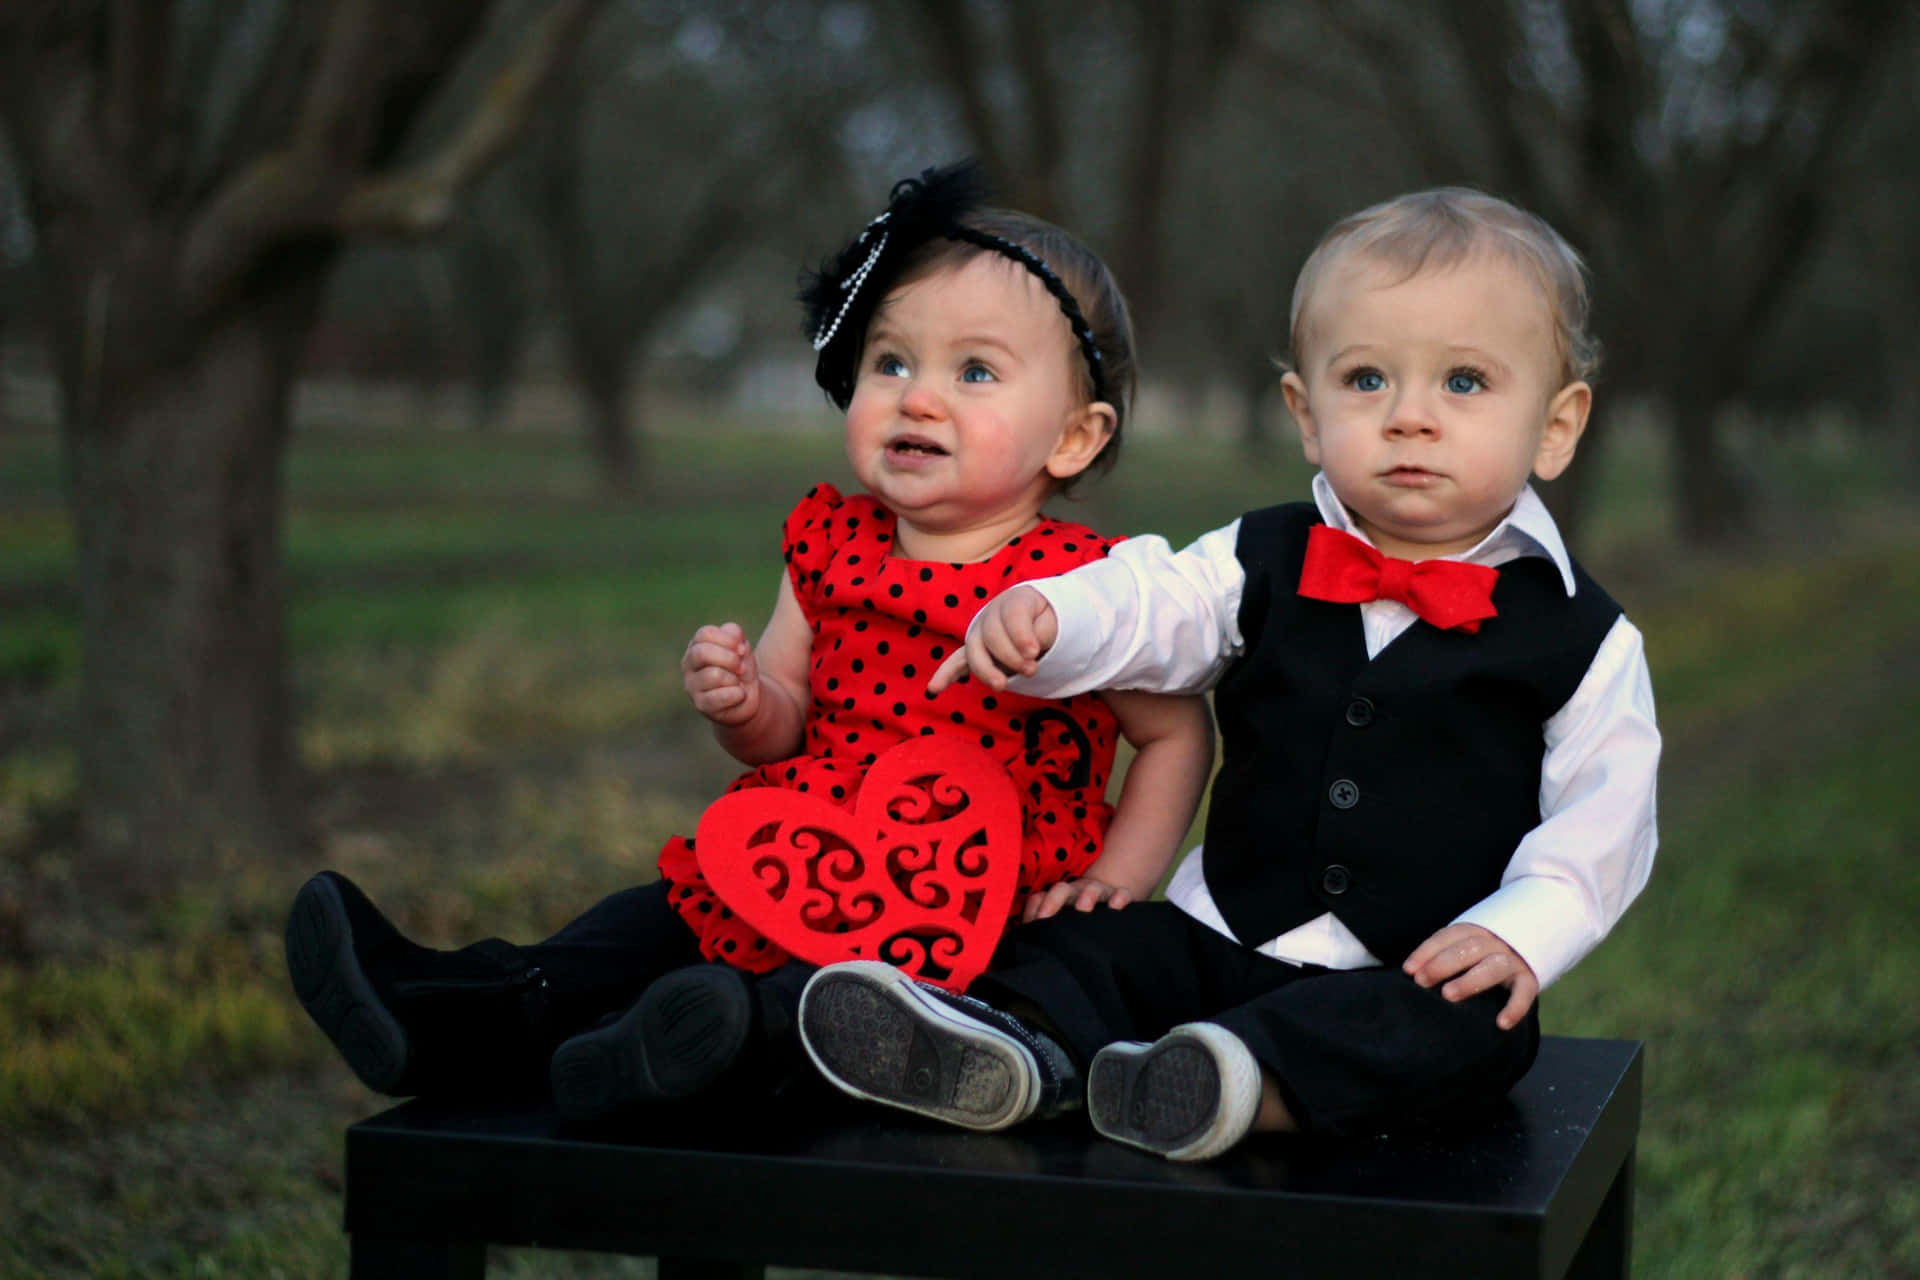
x: 1546, y: 922
x: 1068, y: 667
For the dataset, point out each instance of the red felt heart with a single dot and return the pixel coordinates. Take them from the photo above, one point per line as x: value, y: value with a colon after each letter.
x: 920, y: 873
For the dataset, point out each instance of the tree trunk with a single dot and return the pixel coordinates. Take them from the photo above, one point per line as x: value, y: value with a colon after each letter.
x: 1260, y: 433
x: 182, y: 282
x: 1150, y: 151
x: 605, y: 384
x: 1710, y: 503
x: 174, y: 445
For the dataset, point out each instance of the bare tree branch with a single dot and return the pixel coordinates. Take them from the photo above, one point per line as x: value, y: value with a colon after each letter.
x: 953, y: 38
x: 296, y: 189
x: 268, y: 102
x: 1379, y: 47
x: 1773, y: 256
x: 139, y: 44
x: 1312, y: 77
x: 1487, y: 34
x: 345, y: 89
x: 1821, y: 81
x: 423, y: 199
x: 1224, y: 25
x: 48, y: 99
x: 1150, y: 138
x: 313, y: 185
x: 1046, y: 128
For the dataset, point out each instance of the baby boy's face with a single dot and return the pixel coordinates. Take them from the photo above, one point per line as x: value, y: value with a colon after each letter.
x: 1429, y: 401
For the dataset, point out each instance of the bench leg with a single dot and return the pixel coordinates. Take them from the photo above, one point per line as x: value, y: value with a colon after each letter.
x: 383, y: 1258
x: 1607, y: 1252
x: 709, y: 1269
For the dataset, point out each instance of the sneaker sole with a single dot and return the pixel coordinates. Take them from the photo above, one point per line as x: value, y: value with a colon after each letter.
x: 1170, y: 1096
x: 875, y: 1034
x: 334, y: 989
x: 674, y: 1042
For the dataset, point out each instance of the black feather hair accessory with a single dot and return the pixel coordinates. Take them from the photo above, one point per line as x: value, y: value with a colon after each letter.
x: 841, y: 296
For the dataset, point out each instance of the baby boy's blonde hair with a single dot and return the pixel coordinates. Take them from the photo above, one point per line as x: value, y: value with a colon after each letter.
x: 1445, y: 226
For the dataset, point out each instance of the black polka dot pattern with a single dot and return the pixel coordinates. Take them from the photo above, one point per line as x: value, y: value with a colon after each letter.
x: 880, y: 626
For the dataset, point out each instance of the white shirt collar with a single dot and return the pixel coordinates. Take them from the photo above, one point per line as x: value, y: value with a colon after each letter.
x: 1527, y: 530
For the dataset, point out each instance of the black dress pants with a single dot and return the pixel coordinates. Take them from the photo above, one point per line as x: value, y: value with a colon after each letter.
x: 1353, y: 1051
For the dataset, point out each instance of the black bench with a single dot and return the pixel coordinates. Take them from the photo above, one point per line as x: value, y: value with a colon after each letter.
x: 1541, y: 1187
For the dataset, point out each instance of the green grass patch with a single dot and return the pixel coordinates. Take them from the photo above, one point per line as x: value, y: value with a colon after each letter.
x: 1742, y: 635
x: 109, y: 1037
x: 1771, y: 968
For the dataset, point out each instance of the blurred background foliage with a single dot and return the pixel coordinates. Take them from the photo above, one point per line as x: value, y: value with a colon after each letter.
x: 530, y: 436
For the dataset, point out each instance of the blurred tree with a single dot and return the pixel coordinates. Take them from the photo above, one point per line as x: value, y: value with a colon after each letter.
x: 1125, y: 82
x: 1878, y: 197
x: 687, y: 140
x: 493, y: 307
x: 16, y: 250
x: 191, y: 171
x: 733, y: 116
x: 1689, y: 147
x: 1280, y: 158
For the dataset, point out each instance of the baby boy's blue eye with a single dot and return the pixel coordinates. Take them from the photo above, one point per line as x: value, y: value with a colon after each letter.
x: 976, y: 373
x: 1368, y: 380
x: 1463, y: 383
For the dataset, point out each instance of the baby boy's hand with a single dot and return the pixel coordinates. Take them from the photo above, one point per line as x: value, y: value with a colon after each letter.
x: 1083, y: 894
x: 720, y: 674
x: 1013, y: 630
x: 1464, y: 959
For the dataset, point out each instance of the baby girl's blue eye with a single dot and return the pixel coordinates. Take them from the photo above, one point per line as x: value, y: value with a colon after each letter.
x: 1368, y: 380
x: 890, y: 366
x: 976, y: 373
x: 1464, y: 382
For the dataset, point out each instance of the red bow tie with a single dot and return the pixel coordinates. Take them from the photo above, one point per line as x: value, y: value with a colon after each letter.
x: 1447, y: 593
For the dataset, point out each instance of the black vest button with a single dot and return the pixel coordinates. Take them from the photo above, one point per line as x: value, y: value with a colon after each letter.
x: 1360, y: 713
x: 1345, y: 794
x: 1335, y: 879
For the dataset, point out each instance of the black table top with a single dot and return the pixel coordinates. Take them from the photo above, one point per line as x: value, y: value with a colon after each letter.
x: 844, y: 1185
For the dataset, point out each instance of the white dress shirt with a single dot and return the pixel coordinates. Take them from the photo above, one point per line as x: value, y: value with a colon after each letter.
x: 1148, y: 617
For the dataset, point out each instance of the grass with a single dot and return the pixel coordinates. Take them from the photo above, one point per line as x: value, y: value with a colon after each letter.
x: 1771, y: 968
x: 484, y: 657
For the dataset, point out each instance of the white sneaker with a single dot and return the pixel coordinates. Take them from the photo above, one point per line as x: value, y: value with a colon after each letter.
x: 1190, y: 1095
x: 877, y: 1034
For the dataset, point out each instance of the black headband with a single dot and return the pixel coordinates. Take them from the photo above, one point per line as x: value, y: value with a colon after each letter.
x: 840, y: 298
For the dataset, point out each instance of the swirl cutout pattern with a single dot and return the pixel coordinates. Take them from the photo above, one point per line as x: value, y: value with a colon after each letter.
x: 920, y: 872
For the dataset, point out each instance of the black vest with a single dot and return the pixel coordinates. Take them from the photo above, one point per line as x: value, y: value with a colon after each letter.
x: 1392, y: 792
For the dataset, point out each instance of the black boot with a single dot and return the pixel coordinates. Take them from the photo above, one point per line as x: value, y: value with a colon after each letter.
x: 696, y: 1030
x: 409, y: 1019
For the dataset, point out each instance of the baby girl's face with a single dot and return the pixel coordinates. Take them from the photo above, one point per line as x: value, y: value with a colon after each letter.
x: 1429, y: 401
x: 967, y: 384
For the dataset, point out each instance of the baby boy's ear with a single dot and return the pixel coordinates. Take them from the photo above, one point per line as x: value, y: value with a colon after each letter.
x: 1081, y: 440
x: 1566, y: 420
x: 1294, y: 388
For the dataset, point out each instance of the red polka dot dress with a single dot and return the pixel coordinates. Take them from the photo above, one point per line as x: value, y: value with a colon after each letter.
x: 881, y: 624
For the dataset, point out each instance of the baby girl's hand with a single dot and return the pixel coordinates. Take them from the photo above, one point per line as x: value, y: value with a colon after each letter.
x: 1083, y: 894
x: 1469, y: 959
x: 720, y: 674
x: 1013, y: 630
